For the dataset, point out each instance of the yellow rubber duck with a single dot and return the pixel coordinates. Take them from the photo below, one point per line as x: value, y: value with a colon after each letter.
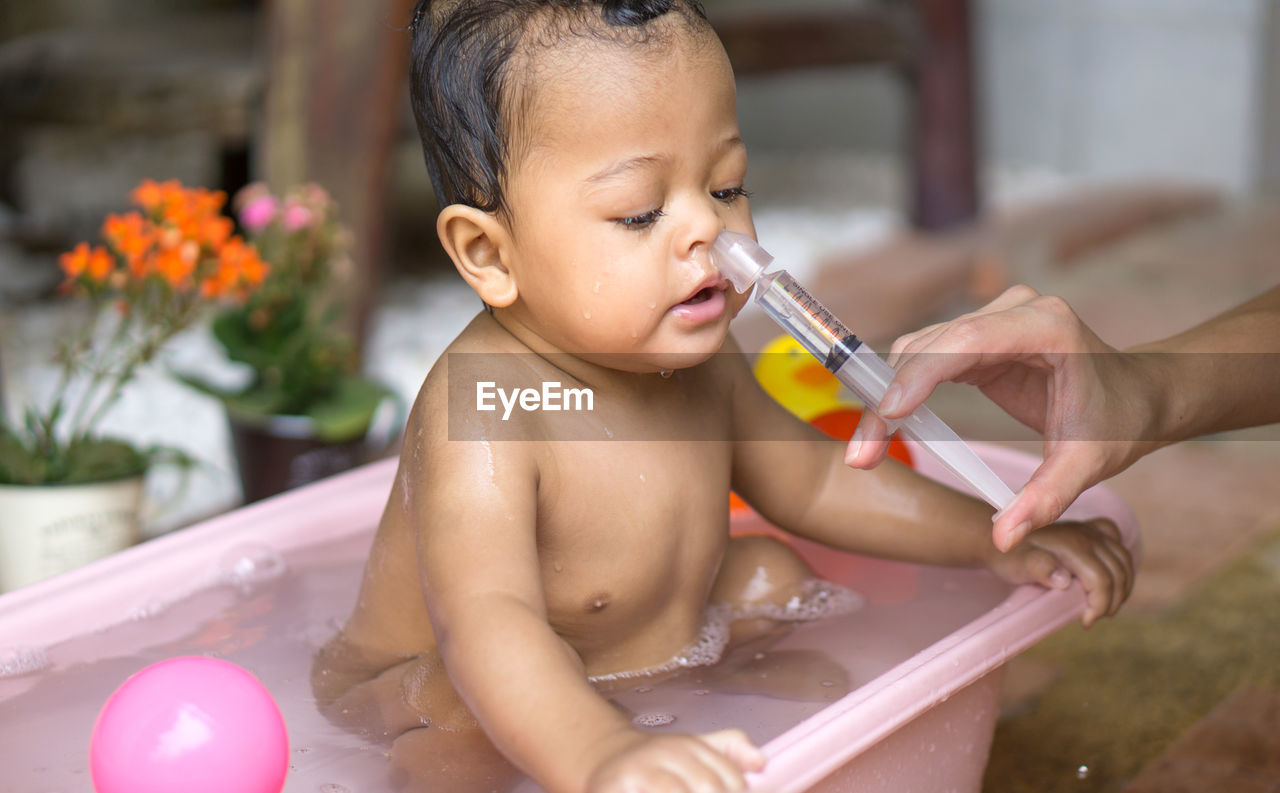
x: 796, y: 380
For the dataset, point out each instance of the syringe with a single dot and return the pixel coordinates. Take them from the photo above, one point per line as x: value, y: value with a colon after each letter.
x: 741, y: 259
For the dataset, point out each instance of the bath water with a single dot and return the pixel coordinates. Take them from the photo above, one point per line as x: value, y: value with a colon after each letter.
x: 270, y: 613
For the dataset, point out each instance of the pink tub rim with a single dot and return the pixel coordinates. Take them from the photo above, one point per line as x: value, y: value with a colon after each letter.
x: 51, y: 611
x: 810, y: 751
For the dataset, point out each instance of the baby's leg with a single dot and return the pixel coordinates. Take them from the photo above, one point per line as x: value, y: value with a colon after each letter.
x: 436, y: 744
x: 762, y: 571
x: 756, y: 571
x: 438, y: 760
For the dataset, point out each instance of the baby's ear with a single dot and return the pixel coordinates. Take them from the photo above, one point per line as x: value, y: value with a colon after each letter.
x: 478, y: 243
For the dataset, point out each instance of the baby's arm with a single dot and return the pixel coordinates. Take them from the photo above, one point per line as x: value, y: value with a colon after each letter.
x: 474, y: 509
x: 794, y: 475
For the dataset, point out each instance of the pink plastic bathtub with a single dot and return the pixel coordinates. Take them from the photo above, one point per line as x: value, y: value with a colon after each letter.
x: 267, y: 584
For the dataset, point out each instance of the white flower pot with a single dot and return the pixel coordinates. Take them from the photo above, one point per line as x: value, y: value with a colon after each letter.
x: 49, y: 529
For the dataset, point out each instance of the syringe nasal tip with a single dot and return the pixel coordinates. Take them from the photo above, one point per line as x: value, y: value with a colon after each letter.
x: 739, y: 258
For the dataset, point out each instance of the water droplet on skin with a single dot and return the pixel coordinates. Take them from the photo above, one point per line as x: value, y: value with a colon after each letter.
x: 701, y: 692
x: 653, y: 719
x: 653, y: 306
x: 827, y: 683
x: 586, y: 315
x: 665, y: 374
x: 641, y: 477
x: 643, y: 689
x: 759, y: 656
x: 558, y: 567
x: 1082, y: 772
x: 608, y: 433
x: 596, y: 289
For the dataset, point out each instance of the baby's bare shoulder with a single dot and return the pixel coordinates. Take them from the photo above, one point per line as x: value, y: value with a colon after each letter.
x: 479, y: 348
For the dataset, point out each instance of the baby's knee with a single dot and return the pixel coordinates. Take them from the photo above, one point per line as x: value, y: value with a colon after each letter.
x: 336, y: 668
x: 758, y: 569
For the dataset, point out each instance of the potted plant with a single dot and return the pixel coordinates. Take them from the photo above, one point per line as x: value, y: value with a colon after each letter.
x: 68, y: 492
x: 306, y: 409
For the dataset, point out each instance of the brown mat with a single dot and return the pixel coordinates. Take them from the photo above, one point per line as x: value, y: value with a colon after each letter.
x: 1127, y: 689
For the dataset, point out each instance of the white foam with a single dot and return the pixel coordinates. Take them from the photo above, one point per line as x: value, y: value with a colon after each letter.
x: 19, y: 661
x: 816, y: 599
x: 653, y: 719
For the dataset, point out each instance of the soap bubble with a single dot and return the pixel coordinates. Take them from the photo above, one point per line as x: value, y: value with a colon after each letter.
x: 246, y: 566
x: 653, y: 719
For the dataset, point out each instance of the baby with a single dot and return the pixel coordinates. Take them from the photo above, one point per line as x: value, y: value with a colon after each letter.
x: 588, y: 154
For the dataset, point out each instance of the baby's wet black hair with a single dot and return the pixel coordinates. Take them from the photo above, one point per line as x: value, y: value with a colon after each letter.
x: 465, y: 98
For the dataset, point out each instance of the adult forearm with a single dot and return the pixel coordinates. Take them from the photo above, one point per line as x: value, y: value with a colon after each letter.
x: 1220, y: 375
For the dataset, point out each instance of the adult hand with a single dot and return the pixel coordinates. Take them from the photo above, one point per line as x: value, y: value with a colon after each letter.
x: 1030, y: 354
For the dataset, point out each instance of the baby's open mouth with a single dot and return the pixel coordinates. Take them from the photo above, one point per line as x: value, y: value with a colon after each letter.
x: 701, y: 296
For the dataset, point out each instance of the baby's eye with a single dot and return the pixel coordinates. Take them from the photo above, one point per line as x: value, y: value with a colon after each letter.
x: 639, y: 222
x: 731, y: 194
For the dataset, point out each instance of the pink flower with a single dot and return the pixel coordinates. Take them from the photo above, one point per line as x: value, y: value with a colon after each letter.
x: 296, y: 216
x: 258, y: 213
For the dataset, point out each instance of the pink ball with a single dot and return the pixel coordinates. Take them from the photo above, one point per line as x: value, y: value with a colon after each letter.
x: 190, y: 725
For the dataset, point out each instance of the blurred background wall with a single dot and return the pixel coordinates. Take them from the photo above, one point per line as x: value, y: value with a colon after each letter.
x: 1097, y: 89
x: 1084, y: 89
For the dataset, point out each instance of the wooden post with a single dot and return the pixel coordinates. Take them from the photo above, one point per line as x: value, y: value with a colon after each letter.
x: 335, y: 76
x: 1269, y: 137
x: 944, y: 140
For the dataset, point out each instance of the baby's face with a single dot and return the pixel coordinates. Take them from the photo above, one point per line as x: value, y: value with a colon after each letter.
x: 627, y: 166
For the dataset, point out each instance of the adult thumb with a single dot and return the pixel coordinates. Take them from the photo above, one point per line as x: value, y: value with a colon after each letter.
x: 1070, y: 468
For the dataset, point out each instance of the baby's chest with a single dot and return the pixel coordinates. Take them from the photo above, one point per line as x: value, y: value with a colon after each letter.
x: 635, y: 524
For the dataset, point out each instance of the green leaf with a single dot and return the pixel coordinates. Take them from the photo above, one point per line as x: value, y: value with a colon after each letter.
x: 346, y: 414
x: 103, y: 459
x: 19, y: 463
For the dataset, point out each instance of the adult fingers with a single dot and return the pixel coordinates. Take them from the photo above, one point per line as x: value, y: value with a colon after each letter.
x: 1013, y: 296
x: 1070, y: 468
x: 972, y: 349
x: 869, y: 444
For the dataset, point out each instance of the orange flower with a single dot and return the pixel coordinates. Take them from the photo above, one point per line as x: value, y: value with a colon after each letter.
x: 95, y: 263
x: 75, y: 261
x: 132, y: 236
x: 101, y: 264
x: 214, y: 231
x: 149, y: 194
x: 175, y: 267
x: 253, y: 270
x: 239, y: 268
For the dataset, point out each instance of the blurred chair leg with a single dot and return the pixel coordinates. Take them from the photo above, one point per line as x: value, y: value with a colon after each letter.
x: 335, y: 79
x: 944, y: 144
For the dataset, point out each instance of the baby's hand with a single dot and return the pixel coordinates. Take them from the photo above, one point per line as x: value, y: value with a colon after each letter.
x: 1090, y: 551
x: 709, y: 763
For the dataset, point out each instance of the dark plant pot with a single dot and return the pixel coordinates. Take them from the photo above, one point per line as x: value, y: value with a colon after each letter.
x: 278, y: 453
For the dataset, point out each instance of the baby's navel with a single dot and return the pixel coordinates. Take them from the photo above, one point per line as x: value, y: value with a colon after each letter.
x: 596, y: 604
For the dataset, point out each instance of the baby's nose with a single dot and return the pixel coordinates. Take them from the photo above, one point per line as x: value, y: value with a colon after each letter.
x: 702, y: 224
